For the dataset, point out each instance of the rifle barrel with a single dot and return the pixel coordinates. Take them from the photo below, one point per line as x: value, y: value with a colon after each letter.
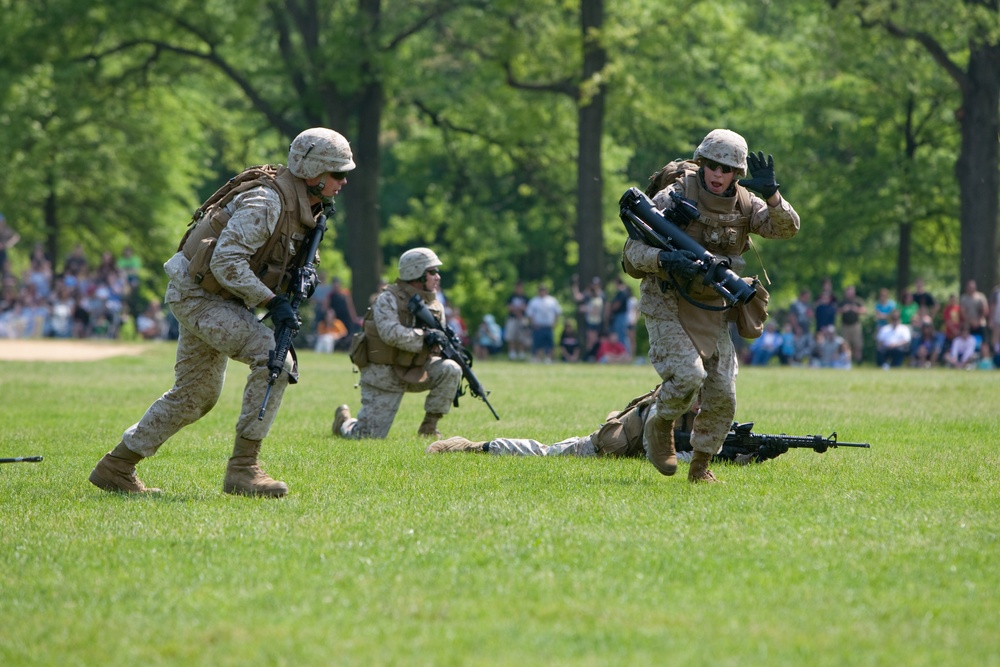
x: 22, y: 459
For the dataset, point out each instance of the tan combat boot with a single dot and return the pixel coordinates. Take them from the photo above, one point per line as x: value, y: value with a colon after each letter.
x: 116, y: 472
x: 699, y: 471
x: 341, y: 415
x: 244, y: 476
x: 429, y: 426
x: 456, y: 444
x: 658, y: 439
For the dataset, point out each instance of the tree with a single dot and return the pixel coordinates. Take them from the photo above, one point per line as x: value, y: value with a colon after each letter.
x: 971, y: 34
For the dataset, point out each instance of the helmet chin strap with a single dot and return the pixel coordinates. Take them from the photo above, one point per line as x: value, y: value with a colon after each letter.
x: 317, y: 190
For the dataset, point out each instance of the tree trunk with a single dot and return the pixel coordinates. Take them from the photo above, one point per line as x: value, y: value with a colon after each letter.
x: 590, y: 129
x: 978, y: 168
x: 364, y: 254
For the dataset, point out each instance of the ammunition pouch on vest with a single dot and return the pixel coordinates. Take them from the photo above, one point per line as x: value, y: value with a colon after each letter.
x: 621, y: 433
x: 750, y: 317
x: 270, y: 263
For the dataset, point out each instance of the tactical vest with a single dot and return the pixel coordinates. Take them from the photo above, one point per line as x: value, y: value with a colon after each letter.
x: 270, y: 263
x: 380, y: 352
x: 621, y: 433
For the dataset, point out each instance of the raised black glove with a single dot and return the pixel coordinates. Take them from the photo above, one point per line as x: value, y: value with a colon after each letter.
x: 761, y: 175
x: 434, y: 338
x: 282, y: 313
x: 681, y: 262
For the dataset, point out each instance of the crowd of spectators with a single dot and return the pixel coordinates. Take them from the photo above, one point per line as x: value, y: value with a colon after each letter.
x: 915, y: 331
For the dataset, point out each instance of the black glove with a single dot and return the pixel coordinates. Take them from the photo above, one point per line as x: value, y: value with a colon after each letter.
x: 434, y: 338
x: 762, y: 175
x: 681, y: 262
x: 282, y: 313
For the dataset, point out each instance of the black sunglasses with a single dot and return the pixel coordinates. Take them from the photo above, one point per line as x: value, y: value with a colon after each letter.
x: 432, y: 272
x: 338, y: 175
x: 715, y: 166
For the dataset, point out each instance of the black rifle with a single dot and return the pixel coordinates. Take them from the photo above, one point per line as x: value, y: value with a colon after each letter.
x: 453, y: 350
x: 300, y: 288
x: 644, y: 222
x: 743, y: 445
x: 22, y: 459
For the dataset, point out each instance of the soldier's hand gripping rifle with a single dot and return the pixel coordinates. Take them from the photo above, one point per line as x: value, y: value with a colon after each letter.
x: 300, y: 288
x: 451, y: 349
x: 743, y: 445
x: 644, y: 222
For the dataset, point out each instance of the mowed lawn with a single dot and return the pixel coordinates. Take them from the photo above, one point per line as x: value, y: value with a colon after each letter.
x: 383, y: 555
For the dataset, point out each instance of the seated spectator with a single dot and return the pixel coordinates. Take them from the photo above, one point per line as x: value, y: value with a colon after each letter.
x: 799, y: 349
x: 611, y: 350
x: 964, y: 351
x: 489, y: 337
x: 569, y: 342
x: 767, y: 346
x: 150, y: 324
x: 892, y: 342
x: 831, y: 350
x: 329, y: 330
x: 985, y: 362
x: 928, y: 345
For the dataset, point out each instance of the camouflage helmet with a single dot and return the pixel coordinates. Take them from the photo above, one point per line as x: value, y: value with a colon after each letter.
x: 415, y: 261
x: 317, y: 151
x: 725, y: 147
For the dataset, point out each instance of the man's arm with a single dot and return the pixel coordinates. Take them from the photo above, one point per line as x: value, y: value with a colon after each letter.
x: 255, y: 216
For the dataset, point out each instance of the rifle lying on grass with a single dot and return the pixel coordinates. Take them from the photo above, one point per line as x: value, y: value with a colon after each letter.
x: 22, y: 459
x: 744, y: 446
x: 300, y: 288
x: 453, y: 350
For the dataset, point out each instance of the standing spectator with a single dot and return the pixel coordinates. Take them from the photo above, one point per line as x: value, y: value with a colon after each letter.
x: 40, y: 274
x: 75, y: 267
x: 892, y: 342
x: 884, y: 305
x: 489, y: 337
x: 975, y: 308
x: 964, y: 350
x: 825, y: 311
x: 543, y: 312
x: 802, y: 308
x: 264, y: 225
x: 515, y: 325
x: 618, y: 313
x: 908, y: 309
x: 928, y: 346
x: 8, y: 239
x: 851, y: 310
x: 400, y: 357
x: 691, y: 349
x: 633, y: 321
x: 951, y: 316
x: 925, y: 300
x: 569, y: 342
x: 340, y: 301
x: 457, y: 324
x: 592, y: 308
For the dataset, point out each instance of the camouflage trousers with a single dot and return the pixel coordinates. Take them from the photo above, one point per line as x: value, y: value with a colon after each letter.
x: 525, y: 447
x: 687, y: 378
x: 382, y: 392
x: 211, y: 332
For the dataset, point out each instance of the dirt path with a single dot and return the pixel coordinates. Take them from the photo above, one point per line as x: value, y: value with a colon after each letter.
x: 65, y: 350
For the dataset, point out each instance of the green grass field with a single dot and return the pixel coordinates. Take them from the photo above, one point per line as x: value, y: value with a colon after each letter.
x: 382, y: 555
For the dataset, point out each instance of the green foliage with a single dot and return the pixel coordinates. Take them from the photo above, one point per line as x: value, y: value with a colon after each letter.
x: 384, y: 555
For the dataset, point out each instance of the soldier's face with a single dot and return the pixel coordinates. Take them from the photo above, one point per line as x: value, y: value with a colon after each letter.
x: 718, y: 177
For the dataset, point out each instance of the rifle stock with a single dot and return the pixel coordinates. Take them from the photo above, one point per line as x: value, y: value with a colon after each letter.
x: 299, y: 290
x: 451, y: 350
x: 741, y: 441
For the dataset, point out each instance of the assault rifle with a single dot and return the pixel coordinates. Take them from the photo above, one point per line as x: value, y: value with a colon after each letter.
x: 453, y: 350
x: 22, y: 459
x: 300, y: 288
x: 644, y: 222
x: 744, y: 446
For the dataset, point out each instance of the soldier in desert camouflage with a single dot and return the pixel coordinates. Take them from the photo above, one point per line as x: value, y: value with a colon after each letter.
x: 236, y: 257
x: 690, y: 347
